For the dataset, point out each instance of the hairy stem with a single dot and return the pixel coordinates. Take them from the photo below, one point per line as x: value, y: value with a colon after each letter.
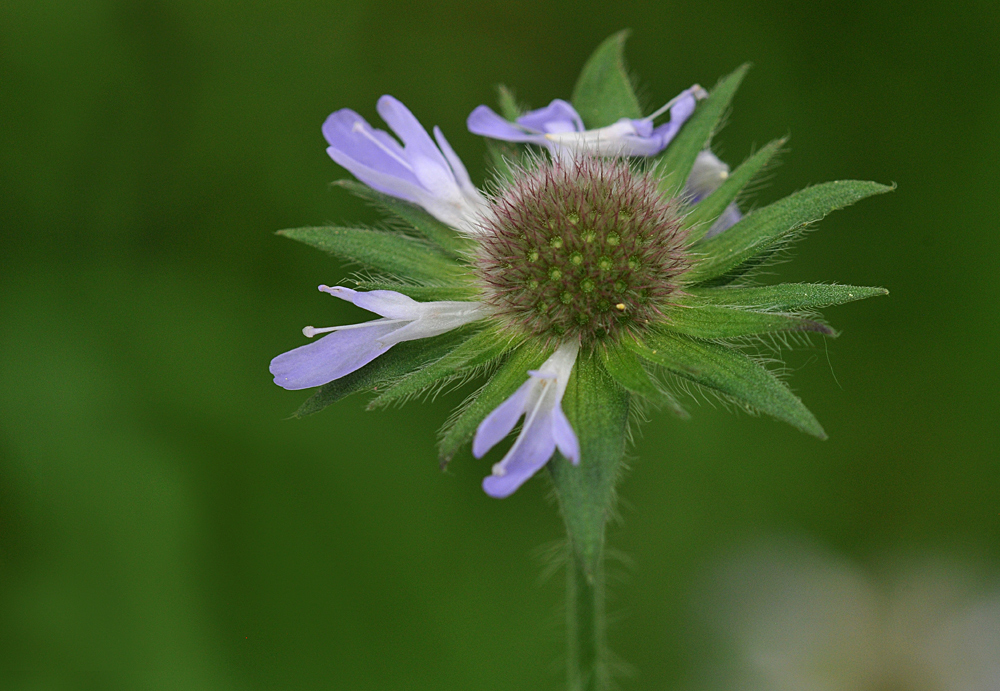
x: 585, y: 623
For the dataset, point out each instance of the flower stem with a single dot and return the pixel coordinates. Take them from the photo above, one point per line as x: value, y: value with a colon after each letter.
x: 585, y: 623
x: 598, y: 410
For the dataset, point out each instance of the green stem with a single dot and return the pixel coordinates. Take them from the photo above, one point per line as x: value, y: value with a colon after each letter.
x: 598, y: 409
x: 585, y: 623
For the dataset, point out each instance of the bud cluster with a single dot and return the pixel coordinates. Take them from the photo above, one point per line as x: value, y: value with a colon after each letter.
x: 583, y: 247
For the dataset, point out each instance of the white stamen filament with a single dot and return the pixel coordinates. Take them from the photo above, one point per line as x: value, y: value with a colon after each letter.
x: 311, y: 331
x: 360, y: 128
x: 698, y: 92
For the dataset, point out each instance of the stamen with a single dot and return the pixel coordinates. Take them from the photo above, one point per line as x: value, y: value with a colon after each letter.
x: 311, y: 331
x: 695, y: 90
x: 360, y: 128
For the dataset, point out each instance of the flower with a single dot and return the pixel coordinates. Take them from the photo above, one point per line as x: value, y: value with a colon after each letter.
x: 558, y: 127
x: 348, y: 348
x: 583, y: 251
x: 421, y: 172
x: 804, y: 620
x: 707, y: 175
x: 545, y: 428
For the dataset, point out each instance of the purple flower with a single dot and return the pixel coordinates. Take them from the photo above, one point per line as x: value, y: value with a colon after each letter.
x: 559, y: 127
x: 707, y: 175
x: 428, y: 174
x: 545, y: 427
x: 351, y: 347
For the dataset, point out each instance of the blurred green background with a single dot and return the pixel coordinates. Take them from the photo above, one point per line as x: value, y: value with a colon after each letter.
x: 164, y: 525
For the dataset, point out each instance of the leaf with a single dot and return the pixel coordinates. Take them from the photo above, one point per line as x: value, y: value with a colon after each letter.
x: 441, y: 234
x: 423, y: 293
x: 702, y: 214
x: 603, y: 93
x: 729, y: 372
x: 674, y: 165
x: 501, y: 385
x: 625, y: 367
x: 597, y: 409
x: 711, y: 322
x: 480, y: 349
x: 509, y: 107
x: 392, y: 253
x: 399, y: 361
x: 781, y: 298
x: 764, y: 228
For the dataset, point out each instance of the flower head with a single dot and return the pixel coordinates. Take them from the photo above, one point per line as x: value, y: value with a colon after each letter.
x: 559, y: 128
x: 583, y: 273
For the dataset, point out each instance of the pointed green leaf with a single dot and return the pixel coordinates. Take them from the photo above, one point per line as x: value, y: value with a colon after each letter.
x: 781, y: 298
x: 729, y: 372
x: 603, y: 93
x: 391, y: 253
x: 399, y: 361
x: 597, y: 409
x: 674, y: 166
x: 423, y: 293
x: 626, y: 368
x: 764, y: 228
x: 441, y: 234
x: 704, y: 213
x: 501, y: 385
x: 711, y: 321
x: 480, y: 349
x: 507, y: 101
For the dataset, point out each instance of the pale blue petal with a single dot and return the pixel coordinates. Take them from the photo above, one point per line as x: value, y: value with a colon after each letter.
x: 532, y: 450
x: 730, y: 217
x: 484, y: 122
x: 351, y: 148
x: 415, y: 139
x: 331, y: 357
x: 385, y: 303
x: 501, y: 421
x: 564, y: 436
x: 557, y: 117
x: 396, y: 182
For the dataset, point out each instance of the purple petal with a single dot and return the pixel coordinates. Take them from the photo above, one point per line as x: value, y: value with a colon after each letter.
x: 385, y: 303
x: 457, y: 167
x: 564, y: 436
x: 730, y: 217
x: 369, y: 148
x: 532, y: 450
x: 415, y: 139
x: 331, y: 357
x: 501, y: 421
x: 679, y: 114
x: 557, y: 117
x: 484, y: 122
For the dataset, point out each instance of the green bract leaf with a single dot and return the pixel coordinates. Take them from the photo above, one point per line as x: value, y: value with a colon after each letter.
x: 502, y: 384
x: 603, y: 94
x: 627, y: 369
x: 442, y: 235
x: 423, y: 293
x: 674, y: 166
x: 399, y: 361
x: 781, y: 298
x: 729, y: 372
x: 480, y: 349
x: 764, y: 228
x: 597, y: 408
x: 702, y: 214
x: 709, y: 321
x: 392, y: 253
x: 507, y: 102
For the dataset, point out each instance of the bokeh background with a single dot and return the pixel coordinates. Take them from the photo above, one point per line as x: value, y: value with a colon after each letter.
x: 164, y: 525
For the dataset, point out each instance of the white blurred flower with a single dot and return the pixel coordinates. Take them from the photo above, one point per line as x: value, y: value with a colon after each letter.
x: 803, y: 620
